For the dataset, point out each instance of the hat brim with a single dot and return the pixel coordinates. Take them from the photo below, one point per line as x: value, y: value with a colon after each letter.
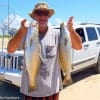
x: 32, y: 14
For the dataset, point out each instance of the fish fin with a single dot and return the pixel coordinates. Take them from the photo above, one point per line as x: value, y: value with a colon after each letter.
x: 67, y: 80
x: 32, y: 87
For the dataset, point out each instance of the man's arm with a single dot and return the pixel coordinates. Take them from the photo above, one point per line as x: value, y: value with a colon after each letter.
x: 15, y: 41
x: 75, y: 38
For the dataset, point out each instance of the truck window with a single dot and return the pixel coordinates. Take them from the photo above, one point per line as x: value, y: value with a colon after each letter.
x: 81, y: 33
x: 98, y: 30
x: 91, y: 33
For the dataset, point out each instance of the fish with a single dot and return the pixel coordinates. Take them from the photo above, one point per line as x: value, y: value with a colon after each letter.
x: 32, y: 58
x: 65, y: 54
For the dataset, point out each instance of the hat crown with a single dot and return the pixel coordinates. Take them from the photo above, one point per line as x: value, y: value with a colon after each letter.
x: 41, y: 6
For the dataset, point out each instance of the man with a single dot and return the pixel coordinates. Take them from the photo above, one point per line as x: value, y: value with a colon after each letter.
x: 48, y: 84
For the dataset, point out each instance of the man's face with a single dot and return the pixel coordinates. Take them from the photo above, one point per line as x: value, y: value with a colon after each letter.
x: 42, y: 17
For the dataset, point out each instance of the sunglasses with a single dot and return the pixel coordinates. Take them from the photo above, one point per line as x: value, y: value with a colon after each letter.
x: 42, y: 12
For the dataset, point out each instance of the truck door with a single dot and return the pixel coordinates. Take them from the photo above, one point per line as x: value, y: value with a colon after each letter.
x: 86, y: 56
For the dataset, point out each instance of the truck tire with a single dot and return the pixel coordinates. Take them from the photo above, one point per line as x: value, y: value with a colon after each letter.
x: 98, y: 65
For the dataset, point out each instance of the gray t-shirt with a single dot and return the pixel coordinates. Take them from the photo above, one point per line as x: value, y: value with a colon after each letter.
x: 49, y: 79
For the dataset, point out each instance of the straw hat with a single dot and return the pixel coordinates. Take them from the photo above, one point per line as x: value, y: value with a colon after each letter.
x: 41, y: 6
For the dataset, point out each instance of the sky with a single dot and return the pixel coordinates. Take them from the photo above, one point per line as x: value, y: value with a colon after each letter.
x: 82, y: 10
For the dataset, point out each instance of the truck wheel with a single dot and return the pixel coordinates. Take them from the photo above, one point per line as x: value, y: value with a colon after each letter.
x: 98, y: 65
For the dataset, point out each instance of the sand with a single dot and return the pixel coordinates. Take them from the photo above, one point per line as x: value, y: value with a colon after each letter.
x: 86, y: 89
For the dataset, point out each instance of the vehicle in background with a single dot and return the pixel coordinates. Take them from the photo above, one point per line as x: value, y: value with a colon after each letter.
x: 89, y: 55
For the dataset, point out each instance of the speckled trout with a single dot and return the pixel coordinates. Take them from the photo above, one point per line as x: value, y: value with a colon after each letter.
x: 32, y: 59
x: 65, y: 54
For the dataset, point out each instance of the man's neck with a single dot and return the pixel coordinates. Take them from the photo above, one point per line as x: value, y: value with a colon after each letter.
x: 43, y: 30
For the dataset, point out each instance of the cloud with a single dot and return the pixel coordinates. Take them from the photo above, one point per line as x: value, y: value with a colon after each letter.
x: 14, y: 23
x: 58, y: 21
x: 55, y: 22
x: 13, y: 20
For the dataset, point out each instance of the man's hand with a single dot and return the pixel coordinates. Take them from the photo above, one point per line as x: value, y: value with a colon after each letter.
x: 70, y: 24
x: 23, y: 26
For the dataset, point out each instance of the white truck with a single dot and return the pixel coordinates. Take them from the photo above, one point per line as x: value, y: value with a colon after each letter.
x: 88, y: 56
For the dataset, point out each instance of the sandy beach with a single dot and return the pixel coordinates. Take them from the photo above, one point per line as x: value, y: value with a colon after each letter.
x: 86, y: 89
